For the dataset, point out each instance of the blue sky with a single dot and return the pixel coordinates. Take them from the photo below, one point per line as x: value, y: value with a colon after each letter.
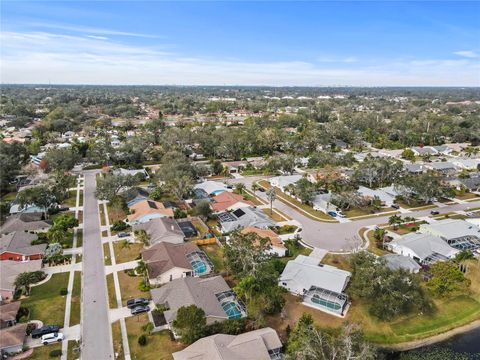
x: 388, y: 43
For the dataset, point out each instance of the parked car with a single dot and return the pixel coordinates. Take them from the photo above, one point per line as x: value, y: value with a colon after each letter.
x: 123, y: 234
x: 434, y: 212
x: 46, y: 329
x: 140, y: 309
x: 261, y: 189
x: 132, y: 303
x: 332, y: 213
x: 396, y: 206
x: 51, y: 338
x: 342, y: 215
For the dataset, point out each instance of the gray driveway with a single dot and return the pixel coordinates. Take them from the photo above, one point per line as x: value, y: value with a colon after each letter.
x: 96, y: 330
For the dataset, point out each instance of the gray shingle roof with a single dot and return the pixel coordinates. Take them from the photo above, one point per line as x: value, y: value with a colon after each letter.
x: 20, y: 243
x: 162, y: 230
x: 246, y: 216
x: 24, y: 222
x: 165, y: 256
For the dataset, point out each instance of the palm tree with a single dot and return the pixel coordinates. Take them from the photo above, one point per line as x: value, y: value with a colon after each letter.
x: 394, y: 220
x: 255, y: 187
x: 142, y: 269
x: 125, y: 244
x: 240, y: 188
x: 271, y: 195
x: 143, y: 237
x: 25, y: 279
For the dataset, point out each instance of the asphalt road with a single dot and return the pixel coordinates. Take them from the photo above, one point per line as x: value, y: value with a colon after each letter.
x: 338, y: 236
x: 96, y: 330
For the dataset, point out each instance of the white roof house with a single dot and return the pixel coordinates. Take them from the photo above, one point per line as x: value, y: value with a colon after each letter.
x: 443, y: 166
x: 424, y: 248
x: 384, y: 196
x: 459, y: 234
x: 212, y: 187
x: 396, y: 262
x: 283, y: 181
x: 321, y: 202
x: 320, y: 286
x: 467, y: 164
x: 133, y: 172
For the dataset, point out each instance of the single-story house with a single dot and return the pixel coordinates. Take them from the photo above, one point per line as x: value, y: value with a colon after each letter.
x: 320, y: 286
x: 261, y: 344
x: 467, y: 164
x: 12, y: 339
x: 414, y: 168
x: 458, y: 234
x: 422, y: 151
x: 442, y: 149
x: 8, y: 314
x: 423, y: 248
x: 396, y: 262
x: 278, y: 248
x: 134, y: 195
x: 243, y: 217
x: 167, y: 262
x: 17, y: 246
x: 9, y: 271
x: 282, y: 182
x: 235, y: 166
x: 321, y: 202
x: 444, y: 167
x: 25, y: 222
x: 162, y: 230
x: 212, y: 188
x: 146, y: 210
x: 385, y: 198
x: 141, y: 172
x: 212, y: 295
x: 227, y: 201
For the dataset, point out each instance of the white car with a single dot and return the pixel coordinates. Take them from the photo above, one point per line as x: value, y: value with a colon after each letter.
x: 52, y: 337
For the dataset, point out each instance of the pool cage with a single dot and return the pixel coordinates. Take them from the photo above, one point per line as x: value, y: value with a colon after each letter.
x: 233, y: 307
x: 468, y: 242
x: 329, y: 300
x: 200, y: 262
x: 434, y: 257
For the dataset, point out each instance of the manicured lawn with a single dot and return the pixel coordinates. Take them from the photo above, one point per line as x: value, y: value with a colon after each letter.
x: 76, y: 299
x: 159, y: 345
x: 9, y: 196
x: 215, y: 253
x: 275, y: 217
x: 43, y: 352
x: 79, y: 237
x: 117, y: 340
x: 466, y: 196
x: 106, y: 254
x: 125, y: 254
x: 45, y: 302
x: 112, y: 300
x: 294, y: 251
x: 129, y: 287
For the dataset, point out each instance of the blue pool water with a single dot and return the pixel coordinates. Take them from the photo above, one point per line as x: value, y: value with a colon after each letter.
x: 232, y: 310
x: 199, y: 266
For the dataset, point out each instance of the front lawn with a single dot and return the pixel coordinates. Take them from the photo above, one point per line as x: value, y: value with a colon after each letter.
x: 126, y: 253
x: 129, y: 287
x: 337, y: 260
x: 43, y: 352
x: 372, y: 246
x: 215, y: 253
x: 116, y: 212
x: 117, y: 340
x: 45, y: 302
x: 112, y: 299
x: 71, y: 355
x: 159, y: 345
x: 274, y: 216
x: 106, y: 254
x: 76, y: 299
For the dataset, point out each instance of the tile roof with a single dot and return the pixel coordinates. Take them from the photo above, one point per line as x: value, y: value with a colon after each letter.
x: 226, y: 199
x: 265, y: 233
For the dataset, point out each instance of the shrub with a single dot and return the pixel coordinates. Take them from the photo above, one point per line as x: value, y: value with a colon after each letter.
x: 30, y: 328
x: 179, y: 214
x: 63, y: 291
x: 142, y: 340
x: 144, y: 286
x: 119, y: 225
x: 55, y: 353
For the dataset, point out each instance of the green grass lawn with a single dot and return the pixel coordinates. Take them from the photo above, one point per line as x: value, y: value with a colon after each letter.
x: 106, y: 254
x: 294, y: 251
x: 112, y: 300
x: 372, y: 246
x: 76, y: 299
x: 125, y: 254
x: 274, y: 216
x: 43, y: 352
x: 8, y: 197
x: 45, y: 302
x: 129, y: 287
x: 159, y: 345
x: 80, y: 202
x: 215, y: 253
x: 115, y: 212
x: 71, y: 200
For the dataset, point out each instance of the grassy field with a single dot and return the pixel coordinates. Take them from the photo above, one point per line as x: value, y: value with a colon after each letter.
x: 215, y: 253
x: 159, y: 345
x: 106, y: 254
x: 129, y: 287
x: 45, y: 302
x: 125, y: 254
x: 76, y: 299
x: 112, y: 300
x: 308, y: 210
x: 117, y: 340
x: 43, y: 352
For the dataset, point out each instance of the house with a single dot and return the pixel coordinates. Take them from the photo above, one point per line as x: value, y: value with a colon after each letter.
x: 17, y: 246
x: 133, y: 172
x: 212, y: 188
x: 467, y: 164
x: 278, y: 248
x: 243, y: 217
x: 25, y: 222
x: 282, y: 182
x: 320, y: 286
x: 396, y: 262
x: 321, y: 202
x: 162, y: 230
x: 444, y: 167
x: 414, y: 168
x: 134, y: 195
x: 9, y: 271
x: 12, y: 339
x: 8, y: 314
x: 145, y: 210
x: 424, y: 151
x: 167, y: 262
x: 261, y: 344
x: 442, y: 149
x: 385, y: 198
x: 235, y: 166
x: 227, y: 201
x: 458, y: 234
x: 423, y: 248
x: 212, y: 295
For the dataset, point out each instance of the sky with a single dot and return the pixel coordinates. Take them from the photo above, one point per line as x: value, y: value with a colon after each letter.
x: 357, y: 43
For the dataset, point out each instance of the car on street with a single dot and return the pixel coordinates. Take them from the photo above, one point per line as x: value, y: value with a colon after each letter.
x: 140, y: 309
x: 46, y: 329
x: 132, y: 303
x: 332, y: 213
x: 123, y: 234
x: 434, y: 212
x: 52, y: 338
x: 342, y: 215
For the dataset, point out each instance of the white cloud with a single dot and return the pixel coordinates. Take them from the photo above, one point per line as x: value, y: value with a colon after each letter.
x: 467, y: 53
x: 42, y: 57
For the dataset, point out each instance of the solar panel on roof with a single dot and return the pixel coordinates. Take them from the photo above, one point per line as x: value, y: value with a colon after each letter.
x: 152, y: 205
x: 239, y: 213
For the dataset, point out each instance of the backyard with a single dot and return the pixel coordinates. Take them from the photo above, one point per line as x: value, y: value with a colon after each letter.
x: 215, y: 253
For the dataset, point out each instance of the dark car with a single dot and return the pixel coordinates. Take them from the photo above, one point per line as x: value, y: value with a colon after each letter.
x: 123, y: 234
x: 332, y: 213
x: 434, y: 212
x: 396, y: 206
x: 47, y: 329
x: 261, y: 189
x: 132, y: 303
x: 140, y: 309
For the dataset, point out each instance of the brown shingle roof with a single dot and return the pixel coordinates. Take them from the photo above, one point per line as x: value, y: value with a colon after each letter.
x: 165, y: 256
x: 13, y: 336
x: 9, y: 311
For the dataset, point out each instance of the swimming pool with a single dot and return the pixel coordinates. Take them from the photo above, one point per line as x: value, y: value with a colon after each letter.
x: 232, y: 310
x: 199, y: 267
